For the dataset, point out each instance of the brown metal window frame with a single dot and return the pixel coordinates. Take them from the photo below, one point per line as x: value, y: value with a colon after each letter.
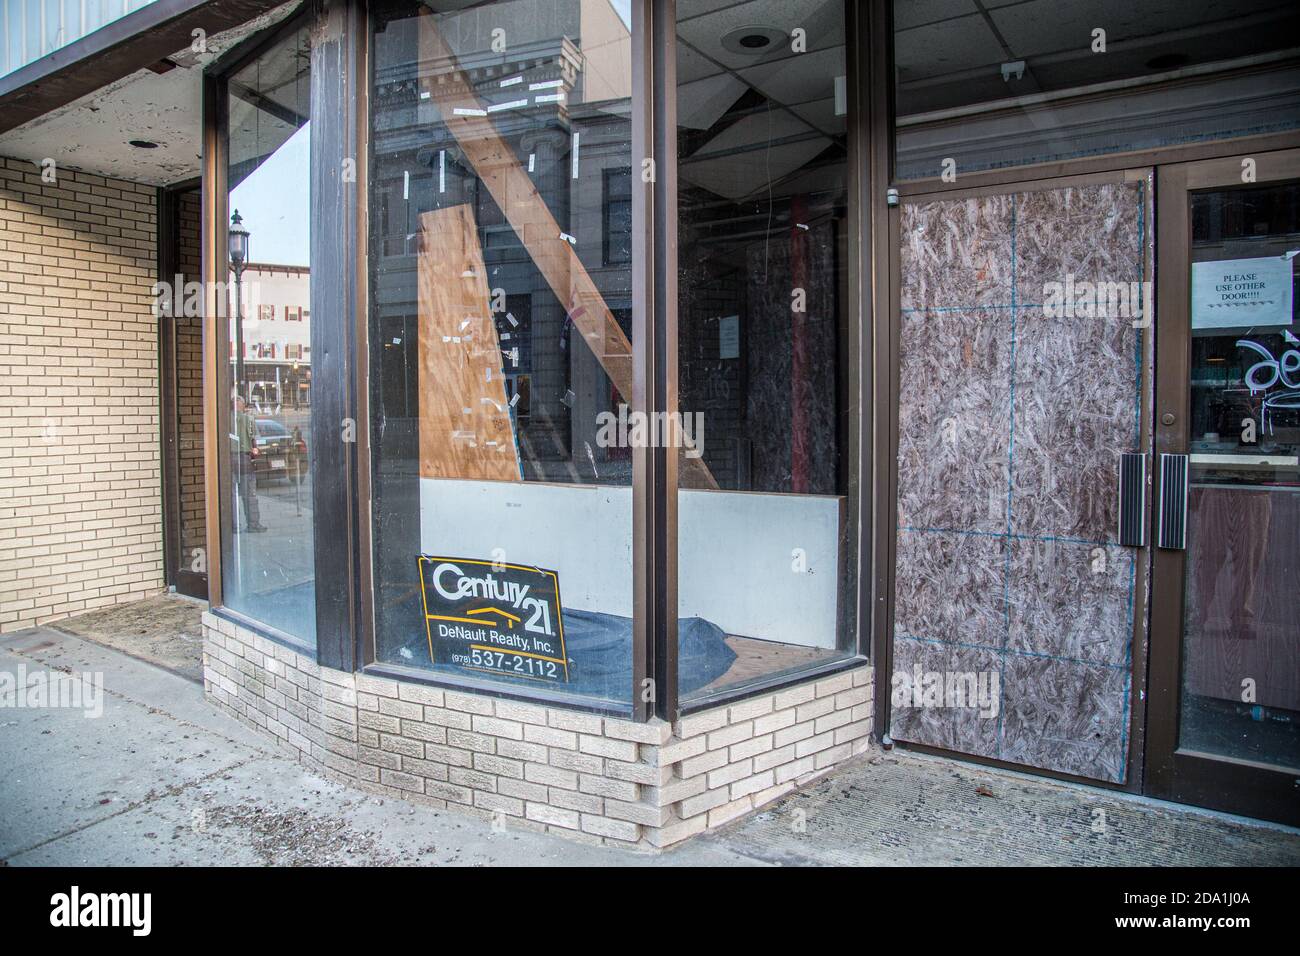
x: 856, y: 398
x: 646, y: 503
x: 216, y: 337
x: 654, y: 689
x: 654, y: 281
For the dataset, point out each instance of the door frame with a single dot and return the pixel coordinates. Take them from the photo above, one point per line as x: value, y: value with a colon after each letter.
x: 190, y: 583
x: 885, y: 297
x: 1172, y: 773
x: 1002, y: 182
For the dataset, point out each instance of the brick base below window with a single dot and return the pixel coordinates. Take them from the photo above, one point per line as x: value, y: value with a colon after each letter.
x: 583, y: 776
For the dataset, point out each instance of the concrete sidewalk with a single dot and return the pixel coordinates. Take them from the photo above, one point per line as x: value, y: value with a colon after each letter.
x: 163, y: 779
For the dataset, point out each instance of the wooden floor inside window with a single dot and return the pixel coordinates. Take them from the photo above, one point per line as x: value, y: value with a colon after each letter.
x: 755, y: 659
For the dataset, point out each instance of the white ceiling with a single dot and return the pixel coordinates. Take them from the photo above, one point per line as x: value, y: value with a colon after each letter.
x: 93, y: 133
x: 949, y: 52
x: 800, y: 117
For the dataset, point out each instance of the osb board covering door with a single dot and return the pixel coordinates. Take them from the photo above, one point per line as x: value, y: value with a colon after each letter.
x: 1011, y: 424
x: 465, y: 427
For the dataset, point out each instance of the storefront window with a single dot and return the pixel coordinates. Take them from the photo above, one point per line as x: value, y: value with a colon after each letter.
x: 500, y: 340
x: 267, y: 559
x: 1011, y: 82
x: 766, y: 523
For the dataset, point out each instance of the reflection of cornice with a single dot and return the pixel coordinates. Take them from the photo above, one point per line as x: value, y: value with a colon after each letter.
x: 269, y: 267
x: 553, y: 136
x: 417, y: 134
x: 484, y: 70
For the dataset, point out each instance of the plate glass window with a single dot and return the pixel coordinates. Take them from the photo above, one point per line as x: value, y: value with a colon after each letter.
x: 268, y: 570
x: 500, y: 337
x: 766, y: 520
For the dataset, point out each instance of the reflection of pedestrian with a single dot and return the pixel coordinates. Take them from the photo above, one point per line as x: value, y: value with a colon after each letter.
x: 299, y: 450
x: 245, y: 455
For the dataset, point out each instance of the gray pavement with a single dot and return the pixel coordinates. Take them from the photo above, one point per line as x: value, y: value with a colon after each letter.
x: 162, y: 778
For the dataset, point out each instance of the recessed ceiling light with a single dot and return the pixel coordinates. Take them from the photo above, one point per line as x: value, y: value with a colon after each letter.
x: 752, y: 41
x: 142, y: 144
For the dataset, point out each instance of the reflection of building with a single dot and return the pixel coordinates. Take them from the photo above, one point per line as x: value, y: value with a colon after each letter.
x: 576, y: 119
x: 277, y: 334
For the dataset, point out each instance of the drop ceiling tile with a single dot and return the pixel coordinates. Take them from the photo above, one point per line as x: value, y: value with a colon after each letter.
x: 909, y: 14
x: 798, y: 79
x: 688, y: 9
x: 1039, y: 27
x: 949, y: 47
x: 692, y: 65
x: 822, y: 20
x: 737, y: 175
x: 756, y: 130
x: 702, y: 103
x: 821, y: 114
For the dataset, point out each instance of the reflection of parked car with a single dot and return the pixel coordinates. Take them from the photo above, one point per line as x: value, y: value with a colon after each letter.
x: 280, y: 454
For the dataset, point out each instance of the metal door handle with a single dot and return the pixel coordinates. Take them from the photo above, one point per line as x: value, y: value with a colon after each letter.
x: 1132, y: 499
x: 1173, y: 502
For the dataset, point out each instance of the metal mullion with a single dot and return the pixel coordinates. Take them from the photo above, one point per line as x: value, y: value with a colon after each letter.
x: 654, y: 349
x: 365, y: 628
x: 664, y: 349
x: 215, y: 330
x: 337, y: 28
x: 644, y: 514
x: 876, y: 86
x: 169, y: 437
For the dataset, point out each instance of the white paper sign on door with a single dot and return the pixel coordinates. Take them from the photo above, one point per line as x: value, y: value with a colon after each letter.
x: 1241, y: 293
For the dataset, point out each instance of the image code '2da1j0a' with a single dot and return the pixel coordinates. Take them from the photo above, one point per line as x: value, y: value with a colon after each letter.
x: 495, y: 617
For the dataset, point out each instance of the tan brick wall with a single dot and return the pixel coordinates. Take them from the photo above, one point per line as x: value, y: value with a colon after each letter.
x: 583, y: 776
x: 80, y: 501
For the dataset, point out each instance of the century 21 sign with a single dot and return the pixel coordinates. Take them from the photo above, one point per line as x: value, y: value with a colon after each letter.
x: 493, y: 617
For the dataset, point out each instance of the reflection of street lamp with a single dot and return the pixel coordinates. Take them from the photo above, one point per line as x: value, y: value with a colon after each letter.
x: 238, y: 240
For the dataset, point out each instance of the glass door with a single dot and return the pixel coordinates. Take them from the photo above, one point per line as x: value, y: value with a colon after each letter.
x: 1225, y: 659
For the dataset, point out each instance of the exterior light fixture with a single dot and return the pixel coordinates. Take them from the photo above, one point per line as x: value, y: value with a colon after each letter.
x: 237, y: 243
